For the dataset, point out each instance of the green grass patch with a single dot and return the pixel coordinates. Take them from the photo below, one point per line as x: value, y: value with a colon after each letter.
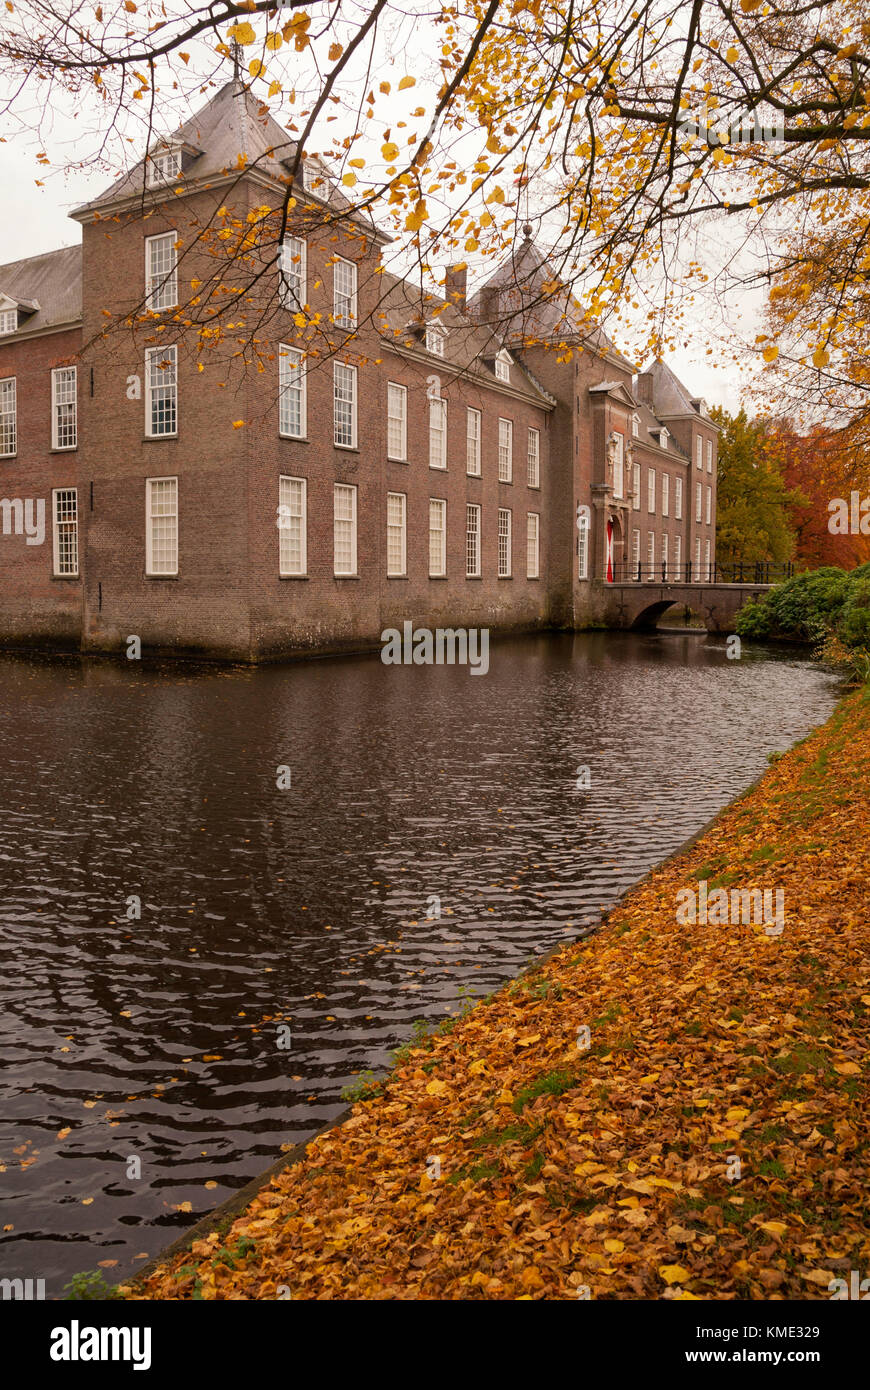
x: 553, y: 1083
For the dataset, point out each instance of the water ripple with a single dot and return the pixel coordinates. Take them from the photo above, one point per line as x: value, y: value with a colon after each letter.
x: 156, y: 1038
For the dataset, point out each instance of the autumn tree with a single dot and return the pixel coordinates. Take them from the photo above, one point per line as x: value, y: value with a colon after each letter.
x: 817, y: 468
x: 754, y: 504
x: 628, y: 134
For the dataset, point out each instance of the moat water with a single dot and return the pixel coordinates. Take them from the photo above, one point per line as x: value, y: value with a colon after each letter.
x: 287, y: 939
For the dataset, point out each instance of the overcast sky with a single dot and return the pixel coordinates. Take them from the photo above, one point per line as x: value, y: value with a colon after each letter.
x: 35, y: 217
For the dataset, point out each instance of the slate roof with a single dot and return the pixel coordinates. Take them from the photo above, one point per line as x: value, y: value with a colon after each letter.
x: 53, y: 280
x: 233, y: 123
x: 406, y: 309
x: 536, y: 304
x: 649, y: 423
x: 669, y: 395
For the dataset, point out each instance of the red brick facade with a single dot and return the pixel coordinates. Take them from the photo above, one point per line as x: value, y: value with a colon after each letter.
x: 227, y: 597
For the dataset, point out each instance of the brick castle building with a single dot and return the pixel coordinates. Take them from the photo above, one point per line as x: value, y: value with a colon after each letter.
x: 391, y: 456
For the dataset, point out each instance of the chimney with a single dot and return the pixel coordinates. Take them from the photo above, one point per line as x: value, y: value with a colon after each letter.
x: 455, y: 286
x: 643, y: 389
x: 490, y: 297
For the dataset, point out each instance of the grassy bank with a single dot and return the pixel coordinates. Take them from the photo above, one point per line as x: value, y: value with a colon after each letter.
x: 710, y: 1141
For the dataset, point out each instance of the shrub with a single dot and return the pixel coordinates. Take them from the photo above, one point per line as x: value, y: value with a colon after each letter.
x: 855, y: 621
x: 814, y: 608
x: 89, y: 1284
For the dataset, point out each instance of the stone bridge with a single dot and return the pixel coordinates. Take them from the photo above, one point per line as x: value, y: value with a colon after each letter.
x: 640, y: 604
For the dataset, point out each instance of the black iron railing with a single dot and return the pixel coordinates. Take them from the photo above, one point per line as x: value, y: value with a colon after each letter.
x: 739, y: 572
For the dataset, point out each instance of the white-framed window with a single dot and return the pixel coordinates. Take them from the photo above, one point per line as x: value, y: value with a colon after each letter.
x: 292, y: 526
x: 293, y: 272
x: 344, y: 405
x: 435, y: 336
x: 635, y: 487
x: 678, y: 499
x: 697, y: 574
x: 397, y: 535
x: 472, y: 540
x: 709, y: 510
x: 651, y: 554
x: 310, y: 176
x: 504, y: 543
x: 161, y: 391
x: 699, y: 501
x: 344, y: 275
x: 618, y: 479
x: 663, y: 438
x: 437, y: 537
x: 503, y: 366
x: 397, y: 422
x: 437, y: 432
x: 161, y: 526
x: 699, y: 451
x: 505, y: 450
x: 472, y: 443
x: 8, y: 321
x: 678, y: 555
x: 666, y: 493
x: 651, y: 490
x: 707, y: 575
x: 65, y: 540
x: 161, y: 271
x: 344, y: 528
x: 533, y: 545
x: 635, y: 426
x: 163, y: 166
x: 8, y: 418
x: 64, y: 408
x: 709, y: 456
x: 665, y: 556
x: 583, y: 545
x: 292, y: 405
x: 635, y: 554
x: 534, y: 473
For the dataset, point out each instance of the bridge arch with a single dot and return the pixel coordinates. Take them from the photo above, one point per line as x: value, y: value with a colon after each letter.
x: 647, y: 618
x: 639, y: 604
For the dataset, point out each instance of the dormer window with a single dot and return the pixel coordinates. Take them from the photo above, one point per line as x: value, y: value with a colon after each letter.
x: 312, y: 178
x: 635, y: 426
x: 503, y: 366
x: 435, y: 339
x: 8, y: 321
x: 662, y: 436
x: 164, y: 165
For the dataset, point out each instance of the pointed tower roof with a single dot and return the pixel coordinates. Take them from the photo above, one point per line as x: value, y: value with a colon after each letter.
x: 234, y: 131
x: 527, y: 297
x: 524, y: 268
x: 666, y: 395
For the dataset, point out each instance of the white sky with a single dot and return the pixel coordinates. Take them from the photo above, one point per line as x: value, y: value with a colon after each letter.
x: 35, y: 218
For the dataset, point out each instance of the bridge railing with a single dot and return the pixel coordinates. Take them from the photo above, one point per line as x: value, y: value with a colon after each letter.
x: 739, y: 572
